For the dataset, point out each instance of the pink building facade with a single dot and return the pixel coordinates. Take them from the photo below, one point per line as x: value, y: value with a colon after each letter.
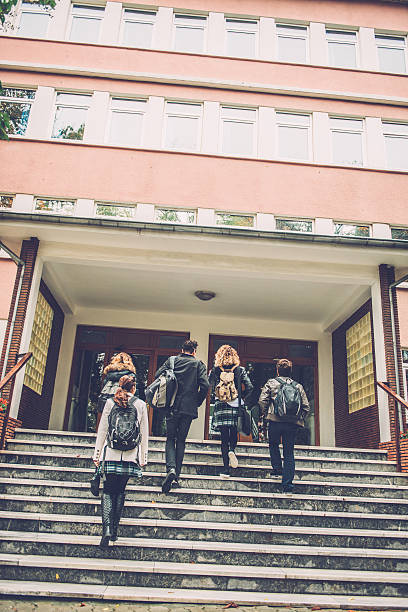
x: 255, y: 149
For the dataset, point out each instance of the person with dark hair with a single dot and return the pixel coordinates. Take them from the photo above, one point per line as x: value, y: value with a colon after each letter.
x: 285, y: 404
x: 192, y: 389
x: 119, y: 465
x: 121, y: 364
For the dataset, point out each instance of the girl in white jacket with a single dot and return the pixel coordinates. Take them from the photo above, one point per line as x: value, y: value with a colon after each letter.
x: 119, y: 465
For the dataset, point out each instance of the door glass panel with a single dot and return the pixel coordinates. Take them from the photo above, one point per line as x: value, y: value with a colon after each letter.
x: 158, y: 420
x: 259, y: 373
x: 173, y: 342
x: 85, y: 391
x: 301, y: 350
x: 141, y: 363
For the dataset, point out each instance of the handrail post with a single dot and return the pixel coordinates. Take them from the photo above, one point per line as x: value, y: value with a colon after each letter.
x: 397, y: 400
x: 11, y: 377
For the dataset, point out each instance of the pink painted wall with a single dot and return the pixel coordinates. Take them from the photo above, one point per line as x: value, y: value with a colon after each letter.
x: 403, y: 315
x: 7, y: 276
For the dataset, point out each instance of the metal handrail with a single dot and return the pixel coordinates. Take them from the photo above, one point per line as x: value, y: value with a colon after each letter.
x: 10, y: 377
x: 397, y: 400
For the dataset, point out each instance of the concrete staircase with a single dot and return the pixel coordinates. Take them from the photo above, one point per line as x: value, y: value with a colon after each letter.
x: 340, y: 541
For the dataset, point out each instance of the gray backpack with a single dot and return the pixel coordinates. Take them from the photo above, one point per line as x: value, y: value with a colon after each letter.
x: 287, y: 401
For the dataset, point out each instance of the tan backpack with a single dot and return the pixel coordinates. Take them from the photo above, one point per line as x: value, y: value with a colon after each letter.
x: 226, y: 390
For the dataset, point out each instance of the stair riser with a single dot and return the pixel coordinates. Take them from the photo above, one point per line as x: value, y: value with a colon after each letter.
x: 155, y: 580
x: 180, y: 555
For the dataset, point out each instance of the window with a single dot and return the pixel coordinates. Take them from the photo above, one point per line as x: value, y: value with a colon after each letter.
x: 6, y: 201
x: 174, y: 215
x: 347, y: 141
x: 70, y: 116
x: 391, y: 53
x: 57, y: 207
x: 405, y: 370
x: 349, y: 229
x: 86, y: 23
x: 342, y: 48
x: 17, y: 104
x: 189, y: 35
x: 399, y: 233
x: 396, y: 145
x: 138, y: 28
x: 292, y: 43
x: 34, y: 20
x: 293, y: 135
x: 114, y: 210
x: 242, y: 37
x: 294, y: 225
x: 238, y: 130
x: 183, y: 126
x: 234, y: 219
x: 360, y: 367
x: 126, y: 121
x: 39, y: 342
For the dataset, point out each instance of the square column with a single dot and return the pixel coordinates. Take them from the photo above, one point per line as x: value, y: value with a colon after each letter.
x: 111, y: 23
x: 216, y: 34
x: 319, y: 52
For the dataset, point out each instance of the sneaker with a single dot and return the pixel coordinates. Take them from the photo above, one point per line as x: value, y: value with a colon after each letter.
x: 166, y: 484
x: 233, y: 459
x: 175, y: 484
x: 224, y: 475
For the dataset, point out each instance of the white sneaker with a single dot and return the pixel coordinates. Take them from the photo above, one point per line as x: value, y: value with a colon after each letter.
x: 233, y: 459
x: 224, y: 475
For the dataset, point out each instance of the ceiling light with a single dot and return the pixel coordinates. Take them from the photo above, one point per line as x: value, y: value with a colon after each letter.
x: 204, y: 295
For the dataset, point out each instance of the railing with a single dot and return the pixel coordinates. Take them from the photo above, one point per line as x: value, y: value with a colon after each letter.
x: 397, y: 400
x: 10, y: 377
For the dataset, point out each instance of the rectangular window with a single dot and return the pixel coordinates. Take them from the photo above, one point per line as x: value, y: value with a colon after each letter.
x: 399, y: 233
x: 39, y: 343
x: 17, y: 104
x: 342, y: 48
x: 293, y: 136
x: 294, y: 225
x: 392, y: 53
x: 126, y: 121
x: 138, y: 28
x: 183, y: 126
x: 56, y: 207
x: 360, y: 365
x: 86, y: 23
x: 234, y: 219
x: 114, y: 210
x: 405, y: 370
x: 349, y: 229
x: 396, y: 145
x: 347, y: 141
x: 189, y: 34
x: 34, y: 20
x: 6, y: 201
x: 292, y: 43
x: 238, y: 131
x: 174, y: 215
x: 242, y: 37
x: 70, y: 116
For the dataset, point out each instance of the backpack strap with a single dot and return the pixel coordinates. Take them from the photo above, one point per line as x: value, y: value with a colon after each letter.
x: 172, y: 359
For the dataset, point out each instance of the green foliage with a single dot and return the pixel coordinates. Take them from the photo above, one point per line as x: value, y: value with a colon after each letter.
x: 69, y: 133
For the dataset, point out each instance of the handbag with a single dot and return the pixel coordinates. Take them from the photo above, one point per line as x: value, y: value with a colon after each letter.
x: 244, y: 420
x: 96, y: 478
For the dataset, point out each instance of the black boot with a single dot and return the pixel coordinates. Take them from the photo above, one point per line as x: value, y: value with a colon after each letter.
x: 107, y: 513
x: 118, y: 509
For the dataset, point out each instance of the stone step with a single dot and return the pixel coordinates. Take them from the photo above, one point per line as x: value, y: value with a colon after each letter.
x: 201, y: 575
x: 193, y: 551
x: 207, y: 456
x: 200, y: 512
x: 185, y: 596
x: 155, y: 442
x: 206, y: 530
x: 309, y: 486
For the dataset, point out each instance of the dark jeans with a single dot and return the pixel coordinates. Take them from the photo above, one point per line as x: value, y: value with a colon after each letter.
x: 178, y: 426
x: 287, y: 433
x: 115, y: 484
x: 229, y: 438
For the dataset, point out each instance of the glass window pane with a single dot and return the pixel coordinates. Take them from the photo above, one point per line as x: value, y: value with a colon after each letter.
x: 33, y: 24
x: 395, y: 128
x: 341, y: 35
x: 110, y: 210
x: 236, y: 220
x: 171, y: 341
x: 346, y: 124
x: 241, y: 44
x: 18, y: 116
x: 6, y: 201
x: 239, y: 24
x: 392, y: 60
x: 348, y: 229
x: 190, y: 20
x: 293, y: 118
x: 238, y: 138
x: 85, y: 30
x: 293, y: 142
x: 301, y: 350
x: 189, y: 39
x: 183, y: 109
x: 342, y: 55
x: 182, y: 133
x: 294, y: 225
x: 126, y: 128
x: 347, y: 148
x: 248, y: 114
x: 292, y: 49
x: 74, y: 99
x: 138, y: 34
x: 394, y: 41
x: 399, y: 233
x: 291, y: 30
x: 11, y: 92
x: 69, y: 123
x: 172, y: 215
x: 125, y: 104
x: 64, y: 207
x: 397, y: 152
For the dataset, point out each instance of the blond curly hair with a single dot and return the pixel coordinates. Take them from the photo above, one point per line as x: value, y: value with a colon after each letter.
x: 120, y: 361
x: 226, y: 356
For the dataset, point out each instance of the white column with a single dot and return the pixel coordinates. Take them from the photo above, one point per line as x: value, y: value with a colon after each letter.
x: 145, y: 212
x: 96, y: 119
x: 324, y: 226
x: 216, y: 34
x: 162, y: 32
x: 84, y: 208
x: 321, y: 138
x: 41, y: 113
x: 23, y: 203
x: 266, y: 222
x: 153, y: 132
x: 380, y: 364
x: 326, y: 393
x: 111, y: 23
x: 267, y: 132
x: 206, y: 216
x: 368, y: 49
x: 381, y: 231
x: 376, y: 157
x: 319, y: 53
x: 63, y: 373
x: 59, y: 20
x: 211, y: 128
x: 267, y: 39
x: 201, y: 335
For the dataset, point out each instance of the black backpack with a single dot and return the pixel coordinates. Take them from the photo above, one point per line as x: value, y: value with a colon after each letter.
x: 123, y: 427
x: 288, y: 400
x: 161, y: 394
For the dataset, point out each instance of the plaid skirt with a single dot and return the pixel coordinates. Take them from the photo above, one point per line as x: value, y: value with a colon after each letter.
x: 224, y: 415
x: 123, y: 468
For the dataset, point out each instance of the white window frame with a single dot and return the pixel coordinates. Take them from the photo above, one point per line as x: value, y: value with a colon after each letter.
x: 37, y: 10
x: 356, y: 45
x: 349, y: 131
x: 26, y: 101
x: 90, y: 16
x: 392, y: 45
x: 279, y: 123
x: 204, y: 28
x: 231, y: 119
x: 395, y: 134
x: 147, y: 16
x: 129, y: 112
x: 305, y: 37
x: 67, y: 105
x: 185, y: 115
x: 235, y: 28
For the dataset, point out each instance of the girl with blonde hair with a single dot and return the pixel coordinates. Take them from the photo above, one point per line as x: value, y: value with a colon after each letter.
x: 232, y: 386
x: 120, y: 365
